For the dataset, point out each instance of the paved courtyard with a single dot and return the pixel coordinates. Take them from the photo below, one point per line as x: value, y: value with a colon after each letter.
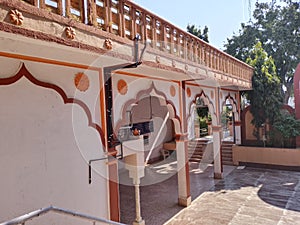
x: 245, y: 196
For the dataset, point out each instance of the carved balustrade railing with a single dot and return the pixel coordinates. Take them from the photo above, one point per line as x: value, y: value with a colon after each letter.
x: 126, y: 19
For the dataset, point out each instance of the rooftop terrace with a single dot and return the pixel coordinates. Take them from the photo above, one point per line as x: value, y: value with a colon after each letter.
x: 123, y: 20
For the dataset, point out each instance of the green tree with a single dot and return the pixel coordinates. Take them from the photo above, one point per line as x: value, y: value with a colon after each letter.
x: 203, y: 35
x: 265, y: 96
x: 288, y: 127
x: 277, y: 26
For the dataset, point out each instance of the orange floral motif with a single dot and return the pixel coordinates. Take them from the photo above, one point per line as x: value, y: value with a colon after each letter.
x: 172, y: 91
x: 16, y: 17
x: 70, y: 32
x: 108, y: 44
x: 188, y: 92
x: 136, y: 132
x: 81, y: 81
x: 122, y: 87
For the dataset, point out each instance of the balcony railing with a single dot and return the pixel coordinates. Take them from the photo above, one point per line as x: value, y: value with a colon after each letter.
x: 127, y: 19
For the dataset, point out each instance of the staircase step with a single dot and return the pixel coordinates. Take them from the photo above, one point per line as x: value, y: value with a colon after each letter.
x: 226, y: 149
x: 195, y: 160
x: 195, y: 150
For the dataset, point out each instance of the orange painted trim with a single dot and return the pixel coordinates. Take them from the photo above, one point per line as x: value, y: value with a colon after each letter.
x: 181, y: 107
x: 227, y: 89
x: 181, y: 137
x: 24, y: 72
x: 102, y: 106
x: 200, y: 85
x: 237, y: 123
x: 216, y: 128
x: 218, y: 107
x: 145, y: 76
x: 48, y: 61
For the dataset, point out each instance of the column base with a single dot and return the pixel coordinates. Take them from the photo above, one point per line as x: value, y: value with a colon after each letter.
x: 184, y: 201
x: 218, y: 175
x: 142, y: 222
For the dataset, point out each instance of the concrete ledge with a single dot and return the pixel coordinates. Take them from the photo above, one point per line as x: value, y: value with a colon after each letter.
x: 260, y: 155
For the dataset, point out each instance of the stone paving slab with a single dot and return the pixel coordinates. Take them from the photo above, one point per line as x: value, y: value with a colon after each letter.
x: 247, y: 196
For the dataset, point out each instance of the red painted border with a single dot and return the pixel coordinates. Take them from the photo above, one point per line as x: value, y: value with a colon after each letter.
x: 24, y: 72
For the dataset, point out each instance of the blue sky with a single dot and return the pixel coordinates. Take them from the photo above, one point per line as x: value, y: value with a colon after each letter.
x: 223, y: 17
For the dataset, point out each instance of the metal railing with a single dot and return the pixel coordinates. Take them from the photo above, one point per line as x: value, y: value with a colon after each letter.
x: 29, y: 216
x: 127, y: 19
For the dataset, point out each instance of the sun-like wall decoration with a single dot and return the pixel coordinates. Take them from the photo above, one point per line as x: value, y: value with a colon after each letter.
x: 172, y: 91
x: 81, y: 81
x: 122, y: 87
x: 188, y: 92
x: 70, y: 32
x: 16, y: 17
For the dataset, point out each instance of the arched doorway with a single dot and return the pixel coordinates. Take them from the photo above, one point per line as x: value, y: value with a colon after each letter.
x: 229, y: 116
x: 202, y: 120
x: 201, y: 117
x: 155, y: 119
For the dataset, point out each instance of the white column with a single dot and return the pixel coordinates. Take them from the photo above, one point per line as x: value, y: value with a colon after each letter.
x: 184, y: 195
x: 218, y: 168
x: 135, y: 165
x: 138, y: 217
x: 238, y: 132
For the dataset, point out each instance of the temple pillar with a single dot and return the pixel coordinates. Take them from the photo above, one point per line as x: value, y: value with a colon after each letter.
x: 135, y: 165
x: 238, y: 132
x: 218, y: 167
x: 184, y: 193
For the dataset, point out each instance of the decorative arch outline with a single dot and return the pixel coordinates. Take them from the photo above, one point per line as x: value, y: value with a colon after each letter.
x: 209, y: 104
x: 234, y: 106
x: 23, y: 71
x: 169, y: 104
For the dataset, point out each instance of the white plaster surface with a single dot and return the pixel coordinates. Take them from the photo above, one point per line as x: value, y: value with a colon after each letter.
x: 43, y: 161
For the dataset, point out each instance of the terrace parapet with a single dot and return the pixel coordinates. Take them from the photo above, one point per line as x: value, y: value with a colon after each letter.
x: 123, y: 20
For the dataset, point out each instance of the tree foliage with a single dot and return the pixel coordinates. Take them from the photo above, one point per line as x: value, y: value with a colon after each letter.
x: 288, y: 127
x: 203, y: 35
x: 265, y: 98
x: 277, y: 26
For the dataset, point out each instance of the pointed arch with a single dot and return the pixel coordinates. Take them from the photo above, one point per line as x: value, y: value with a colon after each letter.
x: 23, y: 72
x: 169, y: 104
x: 234, y: 104
x: 207, y: 102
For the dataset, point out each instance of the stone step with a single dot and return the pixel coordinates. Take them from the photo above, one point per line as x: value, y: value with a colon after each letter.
x: 228, y: 163
x: 226, y: 149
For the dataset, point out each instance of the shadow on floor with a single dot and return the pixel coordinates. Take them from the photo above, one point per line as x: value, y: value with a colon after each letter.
x: 280, y: 188
x: 159, y: 190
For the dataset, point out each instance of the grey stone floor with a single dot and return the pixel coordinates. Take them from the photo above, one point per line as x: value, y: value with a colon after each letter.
x: 245, y: 196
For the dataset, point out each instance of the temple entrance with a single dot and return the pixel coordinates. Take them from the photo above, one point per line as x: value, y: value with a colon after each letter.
x: 202, y: 120
x: 152, y: 119
x: 227, y: 122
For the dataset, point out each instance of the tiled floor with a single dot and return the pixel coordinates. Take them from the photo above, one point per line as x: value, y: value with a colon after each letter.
x: 245, y: 196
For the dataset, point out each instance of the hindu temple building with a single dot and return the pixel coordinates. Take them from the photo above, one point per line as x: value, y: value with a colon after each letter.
x: 90, y: 87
